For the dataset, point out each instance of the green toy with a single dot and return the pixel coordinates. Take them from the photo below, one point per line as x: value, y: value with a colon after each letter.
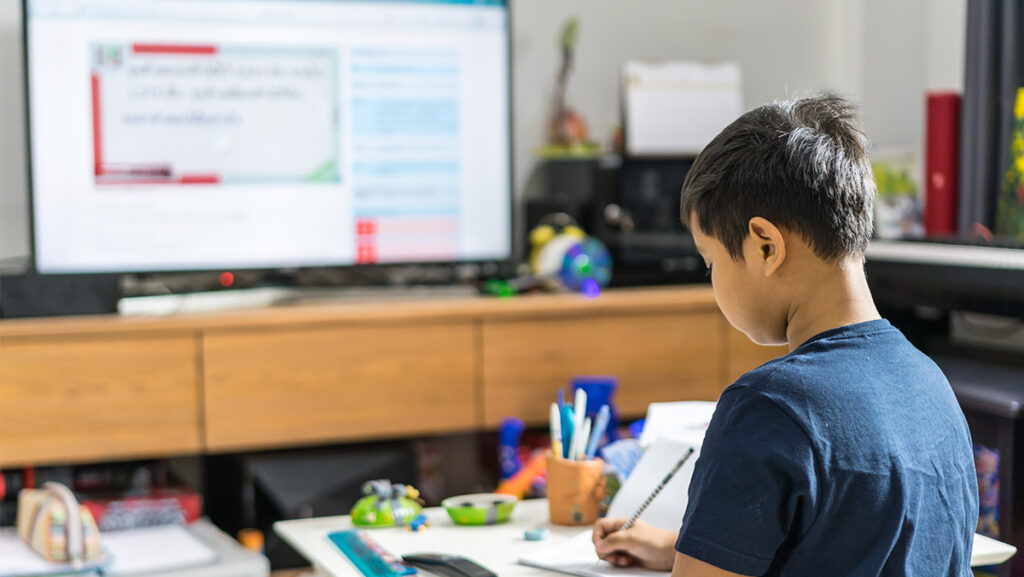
x: 386, y: 505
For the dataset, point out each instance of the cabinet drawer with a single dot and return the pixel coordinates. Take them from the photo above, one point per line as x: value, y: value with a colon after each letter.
x: 335, y: 384
x: 668, y: 357
x: 81, y: 400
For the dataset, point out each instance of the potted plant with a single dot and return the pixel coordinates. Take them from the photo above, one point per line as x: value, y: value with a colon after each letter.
x: 897, y: 206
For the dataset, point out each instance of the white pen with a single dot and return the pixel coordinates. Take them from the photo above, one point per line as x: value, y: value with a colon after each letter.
x: 581, y: 447
x: 581, y: 414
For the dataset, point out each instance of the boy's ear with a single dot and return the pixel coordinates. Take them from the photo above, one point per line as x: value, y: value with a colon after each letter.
x: 769, y: 242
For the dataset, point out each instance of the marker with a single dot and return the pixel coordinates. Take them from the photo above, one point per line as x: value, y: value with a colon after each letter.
x: 566, y: 435
x: 603, y: 416
x: 568, y: 423
x: 556, y: 430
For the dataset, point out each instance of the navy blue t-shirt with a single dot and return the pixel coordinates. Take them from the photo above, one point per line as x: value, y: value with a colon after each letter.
x: 847, y: 457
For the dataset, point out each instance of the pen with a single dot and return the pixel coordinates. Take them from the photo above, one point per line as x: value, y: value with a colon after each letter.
x: 581, y: 414
x: 556, y: 430
x: 654, y: 493
x: 581, y: 445
x: 599, y: 426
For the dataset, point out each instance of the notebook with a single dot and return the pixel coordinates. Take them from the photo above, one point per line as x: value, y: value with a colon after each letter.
x: 577, y: 556
x: 666, y: 510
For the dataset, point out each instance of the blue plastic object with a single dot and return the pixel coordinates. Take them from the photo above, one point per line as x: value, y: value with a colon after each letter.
x: 600, y: 390
x: 636, y: 428
x: 370, y: 558
x: 536, y: 534
x: 509, y: 461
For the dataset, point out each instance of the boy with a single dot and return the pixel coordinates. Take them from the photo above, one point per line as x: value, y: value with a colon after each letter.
x: 849, y: 455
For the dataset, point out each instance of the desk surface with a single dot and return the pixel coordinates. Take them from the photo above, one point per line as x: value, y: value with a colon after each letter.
x: 496, y: 547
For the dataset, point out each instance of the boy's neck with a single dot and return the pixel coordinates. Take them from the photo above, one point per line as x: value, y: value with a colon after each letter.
x: 832, y: 301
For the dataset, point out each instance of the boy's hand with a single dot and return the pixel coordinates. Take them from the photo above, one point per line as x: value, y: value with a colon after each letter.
x: 641, y: 545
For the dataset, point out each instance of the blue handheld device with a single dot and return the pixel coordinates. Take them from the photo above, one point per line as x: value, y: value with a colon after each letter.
x: 370, y: 558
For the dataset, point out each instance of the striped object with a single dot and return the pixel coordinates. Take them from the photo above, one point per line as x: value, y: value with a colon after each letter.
x: 43, y: 523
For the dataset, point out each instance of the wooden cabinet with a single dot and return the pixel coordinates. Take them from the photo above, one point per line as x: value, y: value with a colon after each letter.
x: 333, y: 384
x: 106, y: 388
x: 656, y: 357
x: 72, y: 400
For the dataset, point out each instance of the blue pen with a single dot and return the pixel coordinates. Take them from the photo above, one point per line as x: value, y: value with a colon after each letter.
x: 568, y: 425
x: 561, y: 416
x: 599, y: 426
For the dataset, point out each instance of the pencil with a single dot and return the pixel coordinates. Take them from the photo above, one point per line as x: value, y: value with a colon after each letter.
x: 654, y: 493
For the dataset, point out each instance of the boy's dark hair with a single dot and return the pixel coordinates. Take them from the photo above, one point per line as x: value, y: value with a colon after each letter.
x: 801, y: 164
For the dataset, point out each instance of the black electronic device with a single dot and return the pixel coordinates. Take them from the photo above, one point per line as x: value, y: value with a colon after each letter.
x: 632, y: 206
x: 35, y: 295
x: 448, y: 565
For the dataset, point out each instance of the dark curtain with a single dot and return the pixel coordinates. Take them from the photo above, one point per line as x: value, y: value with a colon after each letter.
x: 992, y: 73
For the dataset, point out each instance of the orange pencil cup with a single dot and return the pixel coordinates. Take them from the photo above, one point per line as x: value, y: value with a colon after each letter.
x: 575, y: 490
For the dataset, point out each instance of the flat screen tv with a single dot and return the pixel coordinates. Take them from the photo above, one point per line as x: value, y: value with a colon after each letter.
x: 190, y: 135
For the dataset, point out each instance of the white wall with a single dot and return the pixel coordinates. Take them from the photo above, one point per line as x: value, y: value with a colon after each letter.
x: 882, y: 53
x: 910, y: 47
x: 784, y: 48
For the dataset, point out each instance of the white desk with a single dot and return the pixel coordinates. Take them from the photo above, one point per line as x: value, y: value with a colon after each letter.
x: 496, y: 547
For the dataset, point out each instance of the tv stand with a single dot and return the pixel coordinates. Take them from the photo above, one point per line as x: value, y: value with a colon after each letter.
x: 109, y: 387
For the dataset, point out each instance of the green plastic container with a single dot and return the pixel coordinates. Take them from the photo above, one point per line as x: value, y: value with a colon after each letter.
x: 480, y: 508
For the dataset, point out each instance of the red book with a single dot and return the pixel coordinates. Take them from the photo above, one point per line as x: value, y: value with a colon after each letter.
x: 156, y: 507
x: 942, y: 162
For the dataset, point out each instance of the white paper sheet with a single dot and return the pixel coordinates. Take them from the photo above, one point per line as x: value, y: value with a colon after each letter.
x: 150, y: 549
x: 577, y: 557
x: 685, y: 421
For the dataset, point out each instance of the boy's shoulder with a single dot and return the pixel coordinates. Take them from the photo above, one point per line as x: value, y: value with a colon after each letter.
x: 839, y: 362
x: 865, y: 343
x: 846, y: 379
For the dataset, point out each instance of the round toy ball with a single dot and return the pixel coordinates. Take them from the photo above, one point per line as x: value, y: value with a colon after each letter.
x: 586, y: 267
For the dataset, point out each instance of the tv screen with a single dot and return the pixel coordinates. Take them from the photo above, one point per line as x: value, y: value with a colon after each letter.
x: 176, y: 135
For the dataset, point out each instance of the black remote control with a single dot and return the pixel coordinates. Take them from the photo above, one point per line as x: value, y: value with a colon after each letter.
x: 447, y: 565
